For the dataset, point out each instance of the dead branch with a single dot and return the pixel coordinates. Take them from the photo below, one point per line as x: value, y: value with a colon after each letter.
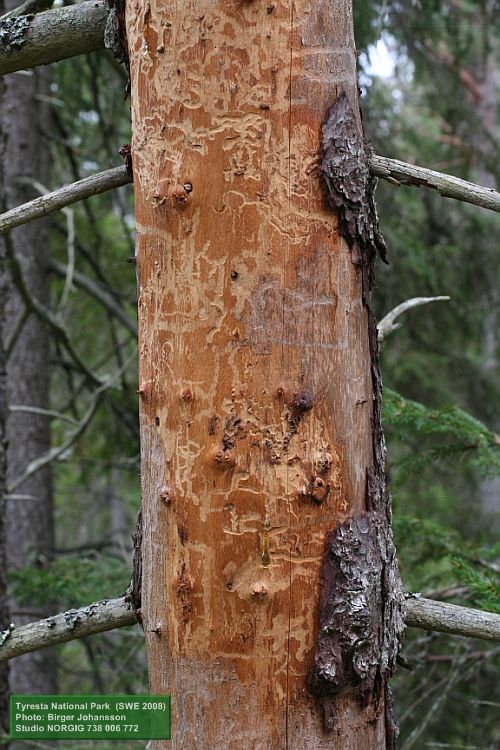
x: 65, y: 196
x: 32, y: 40
x: 450, y: 618
x: 67, y: 626
x: 401, y: 173
x: 32, y: 304
x: 387, y: 324
x: 396, y: 172
x: 116, y: 613
x: 55, y: 453
x: 97, y: 290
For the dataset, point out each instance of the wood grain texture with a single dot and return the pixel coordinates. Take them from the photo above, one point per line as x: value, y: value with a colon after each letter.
x: 255, y: 385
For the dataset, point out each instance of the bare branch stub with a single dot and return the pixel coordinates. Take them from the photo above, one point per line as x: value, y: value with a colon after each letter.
x: 387, y: 325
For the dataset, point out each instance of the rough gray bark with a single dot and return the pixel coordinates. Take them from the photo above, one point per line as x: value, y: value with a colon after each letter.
x: 53, y: 35
x: 29, y: 522
x: 360, y: 617
x: 360, y: 609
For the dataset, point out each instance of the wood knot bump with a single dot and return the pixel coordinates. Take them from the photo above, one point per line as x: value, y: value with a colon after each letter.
x: 167, y: 494
x: 180, y: 193
x: 303, y: 400
x: 145, y: 390
x: 258, y: 589
x: 319, y: 490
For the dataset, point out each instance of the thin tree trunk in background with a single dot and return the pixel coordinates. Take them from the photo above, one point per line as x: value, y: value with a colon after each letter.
x: 259, y: 413
x: 486, y: 172
x: 29, y: 521
x: 4, y: 612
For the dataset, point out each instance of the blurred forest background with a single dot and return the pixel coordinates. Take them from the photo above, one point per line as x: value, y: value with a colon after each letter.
x: 430, y: 78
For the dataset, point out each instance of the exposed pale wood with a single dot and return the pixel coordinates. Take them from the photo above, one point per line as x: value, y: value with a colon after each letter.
x: 450, y: 618
x: 52, y: 35
x: 65, y: 196
x: 399, y: 172
x: 75, y: 623
x: 247, y: 296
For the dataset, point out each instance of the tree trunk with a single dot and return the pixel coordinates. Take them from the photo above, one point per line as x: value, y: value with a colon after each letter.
x: 259, y: 390
x: 29, y: 521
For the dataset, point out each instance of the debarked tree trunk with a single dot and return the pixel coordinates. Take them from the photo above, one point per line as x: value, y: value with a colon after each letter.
x: 270, y: 595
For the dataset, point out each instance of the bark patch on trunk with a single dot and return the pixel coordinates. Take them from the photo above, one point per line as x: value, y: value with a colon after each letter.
x: 350, y: 185
x: 115, y: 35
x: 136, y: 582
x: 360, y: 617
x: 14, y: 33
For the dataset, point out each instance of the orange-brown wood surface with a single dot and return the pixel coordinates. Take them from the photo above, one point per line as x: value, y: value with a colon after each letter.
x: 255, y: 386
